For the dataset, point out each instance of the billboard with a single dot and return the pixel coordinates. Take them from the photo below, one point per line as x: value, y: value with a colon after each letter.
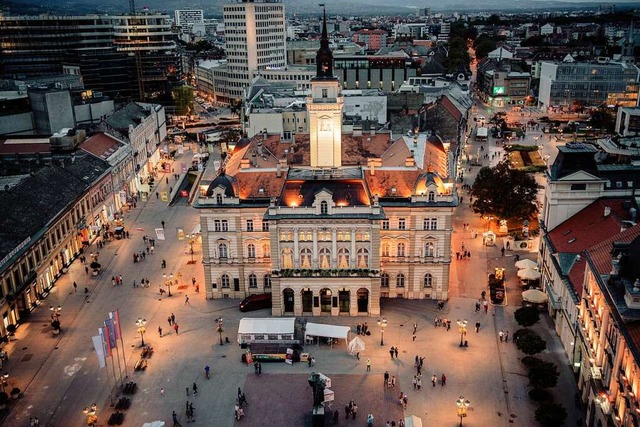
x: 498, y: 90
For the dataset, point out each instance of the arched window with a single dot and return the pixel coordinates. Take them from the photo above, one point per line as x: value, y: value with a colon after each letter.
x: 222, y: 250
x: 363, y: 258
x: 305, y: 258
x: 324, y: 208
x: 384, y: 280
x: 253, y: 281
x: 385, y: 249
x: 400, y: 280
x: 428, y: 280
x: 251, y: 250
x: 429, y: 249
x: 434, y: 223
x: 325, y: 258
x: 401, y: 247
x: 266, y: 250
x: 224, y: 281
x: 287, y: 258
x: 267, y: 280
x: 219, y: 199
x: 343, y: 258
x: 432, y: 196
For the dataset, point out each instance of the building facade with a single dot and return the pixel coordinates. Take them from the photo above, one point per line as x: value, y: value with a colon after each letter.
x: 590, y: 84
x: 330, y: 222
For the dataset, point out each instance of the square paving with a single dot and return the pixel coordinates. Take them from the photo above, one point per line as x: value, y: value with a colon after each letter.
x: 286, y: 400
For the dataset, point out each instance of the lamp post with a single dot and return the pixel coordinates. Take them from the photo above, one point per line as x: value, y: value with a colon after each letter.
x: 3, y: 381
x: 219, y: 328
x: 90, y: 412
x: 168, y: 281
x: 383, y: 324
x: 55, y: 312
x: 141, y: 325
x: 463, y: 329
x: 192, y: 239
x: 462, y: 408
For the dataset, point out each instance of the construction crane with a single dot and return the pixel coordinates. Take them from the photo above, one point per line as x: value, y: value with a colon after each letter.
x: 137, y: 52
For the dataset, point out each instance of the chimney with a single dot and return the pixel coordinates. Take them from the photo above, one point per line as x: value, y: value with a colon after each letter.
x: 278, y: 170
x: 410, y: 162
x: 607, y: 211
x: 372, y: 168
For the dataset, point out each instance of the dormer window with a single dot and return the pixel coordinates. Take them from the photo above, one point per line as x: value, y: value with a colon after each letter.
x: 432, y: 196
x: 325, y: 93
x: 219, y: 199
x: 324, y: 208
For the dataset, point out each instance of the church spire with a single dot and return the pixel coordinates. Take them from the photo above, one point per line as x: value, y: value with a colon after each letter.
x: 324, y: 57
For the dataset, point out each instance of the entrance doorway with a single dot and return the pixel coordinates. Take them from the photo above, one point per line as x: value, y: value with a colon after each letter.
x: 325, y: 300
x: 363, y: 300
x: 307, y: 301
x: 344, y: 300
x: 288, y: 296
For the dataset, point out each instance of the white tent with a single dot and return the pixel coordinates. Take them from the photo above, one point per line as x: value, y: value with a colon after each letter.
x: 526, y: 263
x: 264, y: 330
x: 528, y: 274
x: 356, y: 345
x: 412, y: 421
x: 154, y: 424
x: 329, y: 331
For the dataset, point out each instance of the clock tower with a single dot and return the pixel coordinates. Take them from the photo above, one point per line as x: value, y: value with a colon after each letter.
x: 324, y: 107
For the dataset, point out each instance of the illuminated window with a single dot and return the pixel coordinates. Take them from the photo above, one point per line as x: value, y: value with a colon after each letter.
x: 287, y: 258
x: 401, y: 248
x: 363, y: 258
x: 429, y: 249
x: 325, y: 258
x: 343, y: 258
x: 305, y: 258
x: 251, y: 250
x: 385, y: 249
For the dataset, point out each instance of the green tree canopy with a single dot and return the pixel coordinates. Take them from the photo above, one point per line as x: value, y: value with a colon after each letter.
x: 504, y: 193
x: 543, y: 374
x: 551, y: 414
x: 183, y: 97
x: 531, y: 344
x: 484, y: 44
x: 527, y: 316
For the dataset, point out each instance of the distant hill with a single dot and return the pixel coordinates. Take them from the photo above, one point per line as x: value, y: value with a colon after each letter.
x: 304, y: 7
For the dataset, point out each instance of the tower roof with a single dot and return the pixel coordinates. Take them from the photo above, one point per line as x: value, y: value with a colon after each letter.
x: 324, y: 56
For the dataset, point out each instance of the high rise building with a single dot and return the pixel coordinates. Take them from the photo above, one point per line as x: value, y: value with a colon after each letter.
x: 185, y: 18
x: 255, y: 40
x: 99, y: 48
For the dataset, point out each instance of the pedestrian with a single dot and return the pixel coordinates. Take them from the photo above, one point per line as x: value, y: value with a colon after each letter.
x: 86, y: 270
x: 163, y: 264
x: 157, y: 195
x: 354, y: 411
x: 395, y: 351
x: 415, y: 328
x: 368, y: 365
x: 162, y: 222
x: 370, y: 420
x: 175, y: 328
x: 160, y: 331
x: 386, y: 377
x: 175, y: 420
x: 243, y: 399
x: 414, y: 381
x: 186, y: 300
x: 477, y: 306
x: 391, y: 352
x: 75, y: 287
x: 195, y: 389
x: 414, y: 336
x: 358, y: 329
x: 486, y: 306
x: 120, y: 281
x: 419, y: 382
x: 336, y: 416
x: 477, y: 327
x: 170, y: 190
x: 443, y: 380
x: 167, y: 180
x: 506, y: 336
x: 347, y: 411
x: 357, y: 358
x: 501, y: 336
x: 309, y: 361
x: 173, y: 318
x: 169, y: 320
x: 448, y: 324
x: 393, y: 382
x: 161, y: 391
x: 434, y: 379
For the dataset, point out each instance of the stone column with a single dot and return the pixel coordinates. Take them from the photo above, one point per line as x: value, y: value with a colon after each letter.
x: 334, y: 248
x: 352, y: 260
x: 296, y: 250
x: 314, y: 255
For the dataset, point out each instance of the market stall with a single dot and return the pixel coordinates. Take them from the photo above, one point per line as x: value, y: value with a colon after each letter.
x: 318, y: 330
x: 269, y: 330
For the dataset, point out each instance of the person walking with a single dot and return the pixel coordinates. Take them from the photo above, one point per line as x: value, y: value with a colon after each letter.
x: 162, y: 222
x: 391, y: 352
x: 370, y: 420
x: 501, y: 336
x: 443, y: 380
x: 477, y: 327
x: 75, y: 287
x: 506, y: 336
x: 395, y: 351
x: 173, y: 318
x: 419, y: 382
x: 486, y: 306
x: 357, y: 358
x: 160, y: 331
x: 368, y: 365
x: 175, y: 328
x: 386, y: 378
x: 175, y: 420
x: 86, y: 270
x: 393, y: 382
x: 414, y: 382
x: 434, y: 379
x: 186, y: 300
x: 415, y: 328
x: 169, y: 320
x: 195, y: 389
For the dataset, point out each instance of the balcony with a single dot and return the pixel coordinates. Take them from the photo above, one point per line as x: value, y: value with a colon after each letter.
x: 352, y: 272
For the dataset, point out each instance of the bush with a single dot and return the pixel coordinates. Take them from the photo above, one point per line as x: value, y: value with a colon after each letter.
x: 531, y: 344
x: 527, y: 316
x: 551, y: 414
x: 543, y: 375
x: 529, y: 361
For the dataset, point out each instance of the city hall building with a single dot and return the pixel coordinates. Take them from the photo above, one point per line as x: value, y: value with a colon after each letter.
x: 330, y: 222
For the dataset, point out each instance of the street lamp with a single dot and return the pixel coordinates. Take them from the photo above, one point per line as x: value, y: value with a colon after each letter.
x: 55, y: 312
x: 168, y: 281
x: 192, y: 240
x: 90, y: 412
x: 141, y: 325
x: 3, y: 381
x: 463, y: 329
x: 383, y: 324
x: 462, y: 408
x: 219, y: 329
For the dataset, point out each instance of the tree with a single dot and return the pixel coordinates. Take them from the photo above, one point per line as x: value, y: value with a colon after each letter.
x: 551, y: 414
x: 527, y: 316
x: 543, y: 375
x: 531, y: 344
x: 504, y: 193
x: 183, y: 96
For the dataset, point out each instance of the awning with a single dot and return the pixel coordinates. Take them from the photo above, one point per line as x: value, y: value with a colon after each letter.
x: 329, y: 331
x: 197, y: 229
x: 250, y: 325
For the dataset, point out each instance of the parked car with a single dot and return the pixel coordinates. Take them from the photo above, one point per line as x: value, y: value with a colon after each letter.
x: 255, y: 302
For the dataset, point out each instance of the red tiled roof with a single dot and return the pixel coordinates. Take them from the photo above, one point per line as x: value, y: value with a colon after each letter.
x: 451, y: 109
x: 600, y: 254
x: 21, y: 145
x: 100, y: 145
x: 576, y: 275
x: 403, y: 180
x: 250, y: 183
x: 589, y: 226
